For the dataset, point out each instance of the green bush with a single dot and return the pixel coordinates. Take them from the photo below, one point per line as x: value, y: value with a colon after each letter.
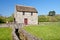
x: 10, y: 19
x: 5, y: 19
x: 44, y: 18
x: 57, y: 17
x: 2, y: 19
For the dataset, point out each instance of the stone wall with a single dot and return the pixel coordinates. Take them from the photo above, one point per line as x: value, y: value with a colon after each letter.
x: 32, y: 19
x: 26, y: 36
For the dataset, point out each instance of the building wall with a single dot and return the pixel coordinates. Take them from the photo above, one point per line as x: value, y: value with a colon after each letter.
x: 32, y: 19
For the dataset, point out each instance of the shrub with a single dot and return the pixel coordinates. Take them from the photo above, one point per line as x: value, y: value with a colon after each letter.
x: 44, y: 18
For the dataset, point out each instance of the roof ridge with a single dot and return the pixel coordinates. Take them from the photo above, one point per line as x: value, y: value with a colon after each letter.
x: 25, y: 6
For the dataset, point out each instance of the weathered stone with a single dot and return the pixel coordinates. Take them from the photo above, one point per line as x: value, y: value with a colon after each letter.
x: 27, y: 36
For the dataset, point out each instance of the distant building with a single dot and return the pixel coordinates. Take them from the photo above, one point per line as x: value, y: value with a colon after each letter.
x: 26, y: 15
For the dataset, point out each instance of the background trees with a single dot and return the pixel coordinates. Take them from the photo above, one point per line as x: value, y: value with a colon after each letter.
x: 2, y: 19
x: 43, y: 18
x: 46, y: 18
x: 52, y: 13
x: 6, y: 19
x: 10, y: 19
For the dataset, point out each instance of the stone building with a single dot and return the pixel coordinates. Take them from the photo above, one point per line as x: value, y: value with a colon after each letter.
x: 26, y: 15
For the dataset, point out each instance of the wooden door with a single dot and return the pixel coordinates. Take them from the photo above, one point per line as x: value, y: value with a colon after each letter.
x: 25, y: 21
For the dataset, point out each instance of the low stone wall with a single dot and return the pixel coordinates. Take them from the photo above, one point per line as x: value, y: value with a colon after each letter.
x: 26, y: 36
x: 4, y: 25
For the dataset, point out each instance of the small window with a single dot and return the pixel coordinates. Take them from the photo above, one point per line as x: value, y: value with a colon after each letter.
x: 23, y: 13
x: 31, y: 13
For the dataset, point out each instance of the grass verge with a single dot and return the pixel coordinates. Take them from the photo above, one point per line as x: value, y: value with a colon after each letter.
x: 46, y: 31
x: 5, y: 33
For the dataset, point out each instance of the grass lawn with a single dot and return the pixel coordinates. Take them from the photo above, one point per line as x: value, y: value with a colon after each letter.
x: 5, y: 33
x: 46, y: 31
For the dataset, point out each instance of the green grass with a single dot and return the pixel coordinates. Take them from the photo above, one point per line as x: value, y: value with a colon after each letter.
x: 46, y: 31
x: 5, y: 33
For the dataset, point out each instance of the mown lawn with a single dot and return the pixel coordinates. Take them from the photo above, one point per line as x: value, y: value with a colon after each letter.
x: 46, y: 31
x: 5, y: 33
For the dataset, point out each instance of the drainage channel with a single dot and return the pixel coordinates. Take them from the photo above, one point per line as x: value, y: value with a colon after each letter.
x: 17, y: 33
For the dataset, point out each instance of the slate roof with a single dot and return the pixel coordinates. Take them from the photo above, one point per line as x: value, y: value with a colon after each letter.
x: 25, y: 9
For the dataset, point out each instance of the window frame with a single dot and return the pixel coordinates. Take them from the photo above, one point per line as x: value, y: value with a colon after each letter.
x: 23, y: 13
x: 31, y: 13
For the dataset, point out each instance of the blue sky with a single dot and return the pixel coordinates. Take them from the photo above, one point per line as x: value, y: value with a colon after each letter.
x: 7, y: 7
